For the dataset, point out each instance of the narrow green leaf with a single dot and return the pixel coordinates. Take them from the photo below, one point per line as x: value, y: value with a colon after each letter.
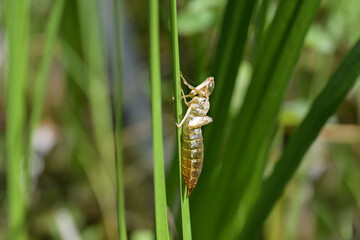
x: 249, y: 196
x: 322, y: 108
x: 172, y: 182
x: 98, y: 95
x: 17, y: 33
x: 40, y: 84
x: 279, y: 51
x: 87, y: 156
x: 228, y: 56
x: 185, y: 211
x: 229, y: 52
x: 98, y: 85
x: 162, y: 229
x: 71, y: 40
x: 118, y: 6
x: 259, y: 26
x: 75, y: 66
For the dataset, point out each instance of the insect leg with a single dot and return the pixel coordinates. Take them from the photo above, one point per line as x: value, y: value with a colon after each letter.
x: 183, y: 120
x: 185, y: 82
x: 184, y: 97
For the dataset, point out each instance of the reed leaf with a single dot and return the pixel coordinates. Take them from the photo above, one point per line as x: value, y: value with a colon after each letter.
x: 162, y: 229
x: 17, y: 33
x: 42, y: 74
x: 98, y: 85
x: 228, y: 55
x: 322, y: 108
x: 184, y: 201
x: 119, y: 158
x: 279, y: 50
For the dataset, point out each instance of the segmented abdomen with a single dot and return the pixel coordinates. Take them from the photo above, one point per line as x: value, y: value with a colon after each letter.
x: 192, y: 155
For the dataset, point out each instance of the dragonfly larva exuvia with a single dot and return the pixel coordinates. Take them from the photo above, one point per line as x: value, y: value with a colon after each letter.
x: 192, y: 147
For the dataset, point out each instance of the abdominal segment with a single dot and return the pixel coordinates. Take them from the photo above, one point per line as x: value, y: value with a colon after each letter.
x: 192, y: 154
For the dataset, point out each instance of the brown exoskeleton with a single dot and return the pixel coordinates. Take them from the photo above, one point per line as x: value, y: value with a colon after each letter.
x: 192, y: 149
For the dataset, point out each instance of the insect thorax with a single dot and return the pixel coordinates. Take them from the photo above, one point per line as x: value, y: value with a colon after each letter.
x: 200, y: 106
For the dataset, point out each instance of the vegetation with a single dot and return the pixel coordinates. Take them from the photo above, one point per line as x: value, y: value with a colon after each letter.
x: 89, y: 148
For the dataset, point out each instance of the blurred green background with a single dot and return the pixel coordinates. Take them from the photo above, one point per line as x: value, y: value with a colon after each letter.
x: 72, y: 192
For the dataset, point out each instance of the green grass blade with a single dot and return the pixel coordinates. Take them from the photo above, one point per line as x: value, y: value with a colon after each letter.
x: 98, y: 86
x: 185, y: 210
x: 17, y: 31
x: 98, y: 94
x: 280, y: 49
x: 172, y: 182
x: 226, y: 63
x: 322, y: 108
x: 118, y: 6
x: 229, y: 52
x: 250, y: 195
x: 40, y: 84
x: 96, y: 171
x: 162, y: 229
x: 259, y: 26
x: 71, y: 40
x: 75, y: 66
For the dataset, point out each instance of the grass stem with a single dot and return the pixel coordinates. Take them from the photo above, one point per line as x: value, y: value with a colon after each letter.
x: 162, y: 229
x: 118, y: 4
x: 17, y: 31
x: 185, y: 209
x: 40, y: 84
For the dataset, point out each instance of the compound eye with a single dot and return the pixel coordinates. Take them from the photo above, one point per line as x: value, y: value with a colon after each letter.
x: 210, y: 87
